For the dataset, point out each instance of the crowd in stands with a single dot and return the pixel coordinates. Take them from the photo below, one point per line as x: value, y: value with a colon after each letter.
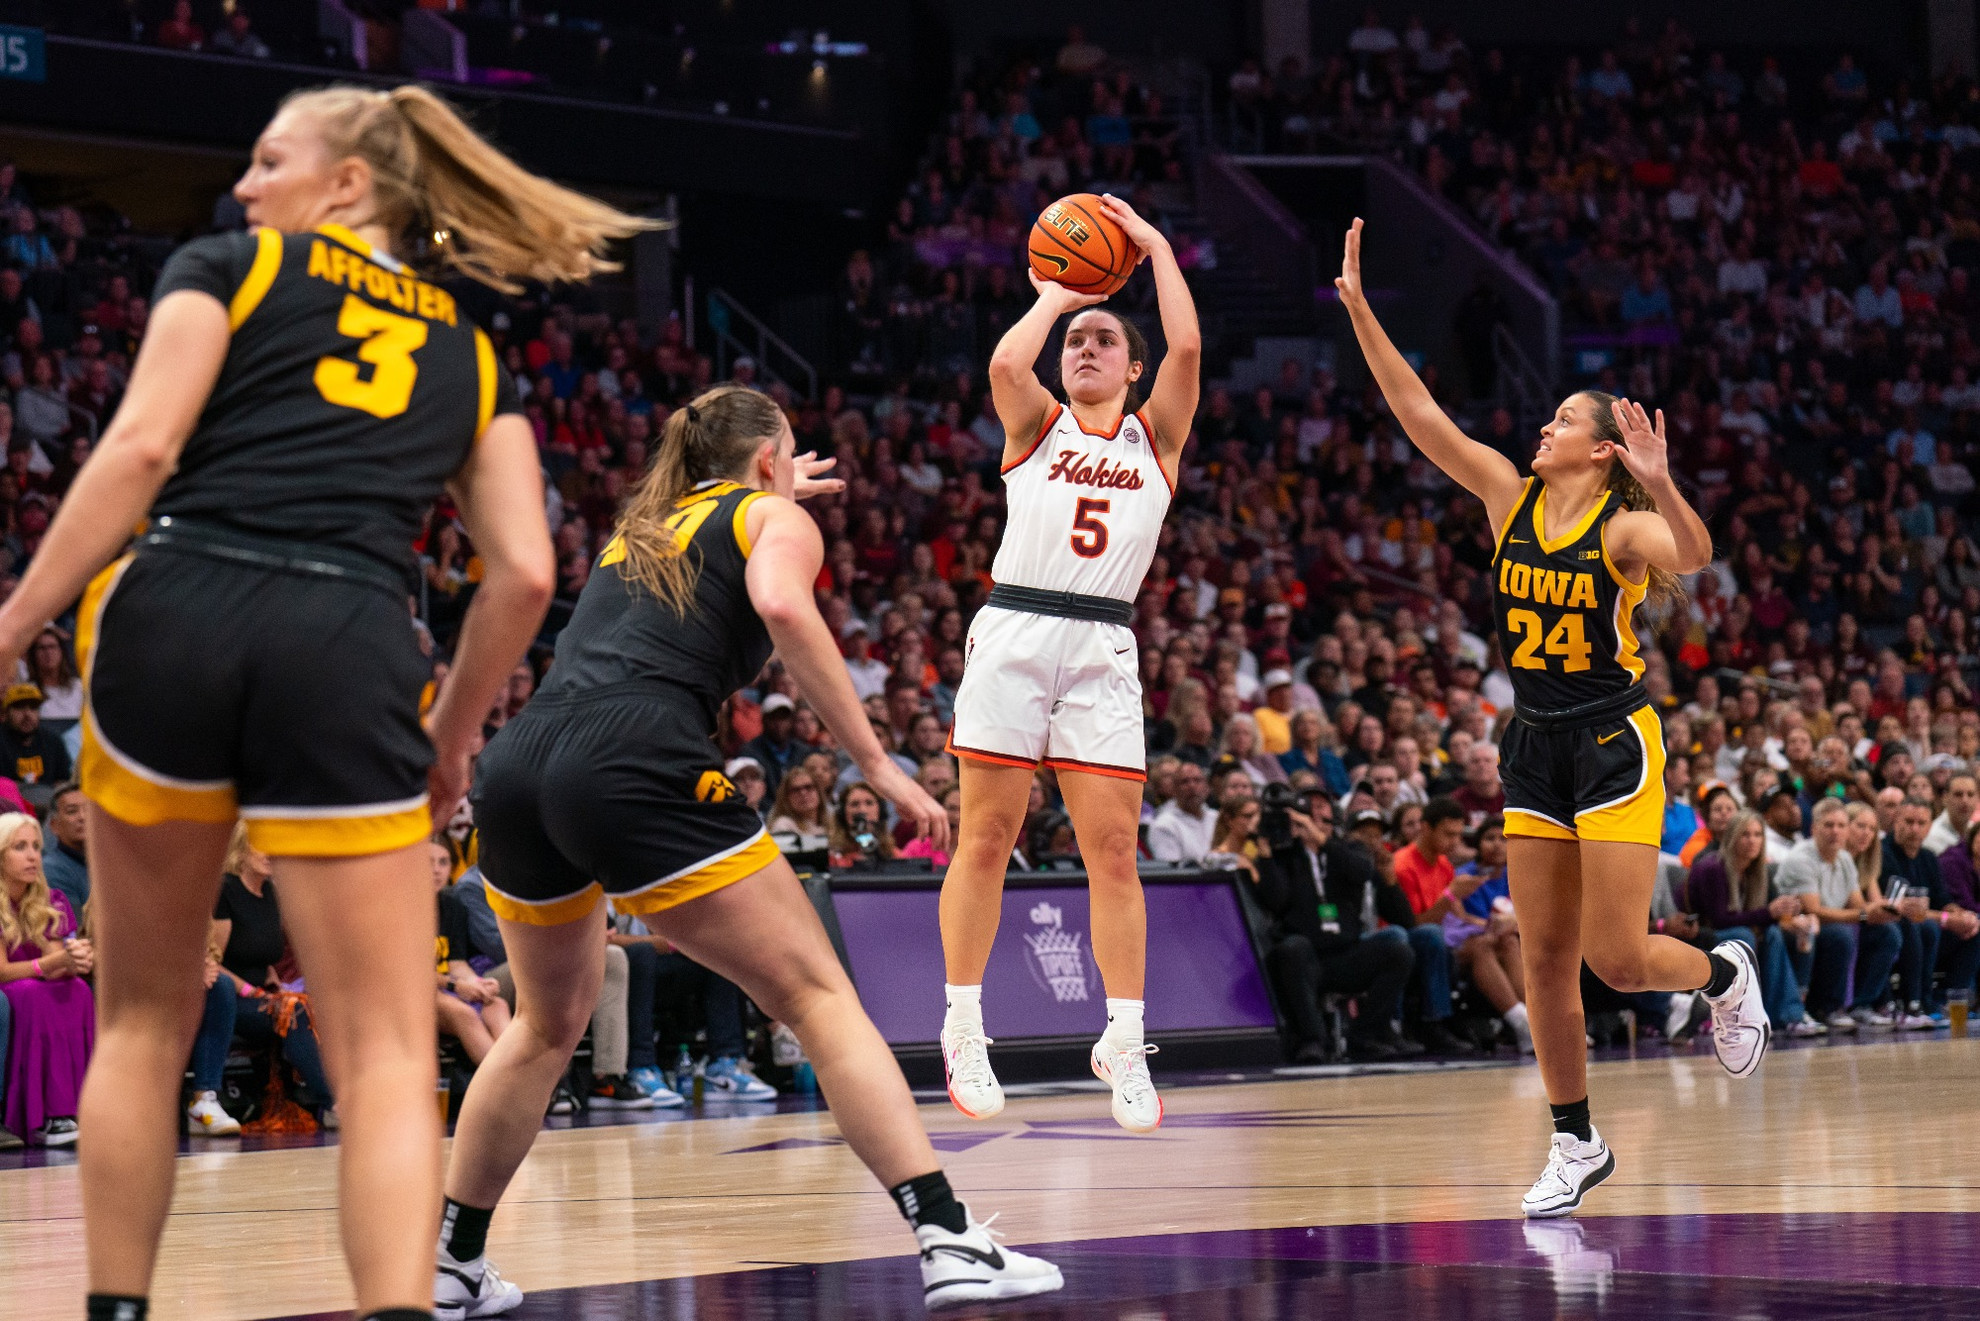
x: 933, y: 301
x: 1323, y: 694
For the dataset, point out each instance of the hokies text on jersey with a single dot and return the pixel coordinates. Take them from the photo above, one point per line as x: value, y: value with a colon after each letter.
x: 1080, y: 470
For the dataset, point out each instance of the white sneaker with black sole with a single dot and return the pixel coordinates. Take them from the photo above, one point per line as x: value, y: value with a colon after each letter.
x: 1573, y: 1167
x: 972, y: 1267
x: 463, y: 1289
x: 1740, y: 1030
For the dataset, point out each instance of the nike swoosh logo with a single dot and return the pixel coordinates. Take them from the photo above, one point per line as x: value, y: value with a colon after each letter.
x: 1519, y: 541
x: 473, y: 1285
x: 1122, y: 651
x: 993, y: 1258
x: 1604, y: 738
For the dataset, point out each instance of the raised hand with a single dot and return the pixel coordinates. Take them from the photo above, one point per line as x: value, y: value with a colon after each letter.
x: 808, y: 467
x: 1348, y: 284
x: 1064, y: 299
x: 1145, y: 237
x: 1645, y: 452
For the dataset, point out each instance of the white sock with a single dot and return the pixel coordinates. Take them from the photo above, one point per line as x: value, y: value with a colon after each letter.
x: 1516, y: 1016
x: 1124, y: 1021
x: 965, y: 1006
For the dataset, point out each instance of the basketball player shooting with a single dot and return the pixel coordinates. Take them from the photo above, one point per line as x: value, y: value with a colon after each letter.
x: 1052, y: 663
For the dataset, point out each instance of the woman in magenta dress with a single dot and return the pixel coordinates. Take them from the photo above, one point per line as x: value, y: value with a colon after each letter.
x: 54, y: 1014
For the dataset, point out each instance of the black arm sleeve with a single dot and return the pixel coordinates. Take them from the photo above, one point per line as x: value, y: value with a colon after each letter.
x: 213, y: 265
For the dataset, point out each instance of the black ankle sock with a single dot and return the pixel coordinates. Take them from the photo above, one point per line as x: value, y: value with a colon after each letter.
x: 118, y: 1307
x: 398, y: 1314
x: 464, y: 1229
x: 1573, y: 1118
x: 1724, y: 973
x: 928, y: 1200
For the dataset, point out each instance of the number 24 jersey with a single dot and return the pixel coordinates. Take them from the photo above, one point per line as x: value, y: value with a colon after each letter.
x: 1563, y: 611
x: 351, y: 392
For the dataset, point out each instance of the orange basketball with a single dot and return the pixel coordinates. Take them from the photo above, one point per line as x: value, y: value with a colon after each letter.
x: 1076, y: 244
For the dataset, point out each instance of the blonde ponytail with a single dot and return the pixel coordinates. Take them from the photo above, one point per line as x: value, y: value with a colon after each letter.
x: 711, y: 438
x: 434, y: 176
x: 1666, y: 590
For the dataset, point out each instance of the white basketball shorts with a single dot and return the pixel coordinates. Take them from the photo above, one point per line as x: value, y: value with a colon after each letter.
x: 1066, y: 692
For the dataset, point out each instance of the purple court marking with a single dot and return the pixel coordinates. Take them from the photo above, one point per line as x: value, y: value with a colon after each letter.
x: 1865, y: 1267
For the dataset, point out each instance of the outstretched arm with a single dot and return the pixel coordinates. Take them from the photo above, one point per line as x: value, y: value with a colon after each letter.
x: 787, y: 553
x: 1479, y: 469
x: 1172, y: 399
x: 1674, y: 537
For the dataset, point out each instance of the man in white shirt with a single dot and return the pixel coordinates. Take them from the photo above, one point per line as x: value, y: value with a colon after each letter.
x: 1182, y: 826
x: 869, y: 676
x: 1782, y: 812
x: 1962, y: 796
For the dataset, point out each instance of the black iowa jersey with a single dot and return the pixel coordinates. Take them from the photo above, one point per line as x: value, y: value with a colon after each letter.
x: 620, y: 633
x: 351, y: 391
x: 1562, y: 610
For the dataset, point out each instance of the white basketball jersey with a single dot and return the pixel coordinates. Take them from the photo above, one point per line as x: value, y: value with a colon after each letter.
x: 1085, y: 509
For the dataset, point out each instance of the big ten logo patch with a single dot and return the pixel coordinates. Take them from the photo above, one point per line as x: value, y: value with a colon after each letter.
x: 1058, y: 957
x: 714, y: 787
x: 1057, y: 217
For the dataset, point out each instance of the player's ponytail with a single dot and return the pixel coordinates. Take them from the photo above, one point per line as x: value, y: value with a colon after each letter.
x: 1666, y: 591
x: 438, y: 183
x: 712, y: 438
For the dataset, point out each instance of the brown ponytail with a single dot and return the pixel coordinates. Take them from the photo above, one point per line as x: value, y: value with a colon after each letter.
x: 434, y: 177
x: 711, y: 438
x: 1666, y: 591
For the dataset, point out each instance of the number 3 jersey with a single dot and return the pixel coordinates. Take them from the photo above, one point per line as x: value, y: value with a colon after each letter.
x: 351, y: 391
x: 1562, y: 609
x: 1086, y: 509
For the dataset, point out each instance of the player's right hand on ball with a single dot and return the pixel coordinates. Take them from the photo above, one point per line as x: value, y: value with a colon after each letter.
x: 1067, y: 300
x: 913, y: 803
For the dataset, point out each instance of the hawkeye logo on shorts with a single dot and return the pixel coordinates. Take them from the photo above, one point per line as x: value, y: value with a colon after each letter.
x: 714, y: 788
x: 1547, y: 586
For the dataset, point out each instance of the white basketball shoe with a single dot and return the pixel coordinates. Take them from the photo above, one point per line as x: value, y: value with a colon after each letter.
x: 972, y: 1267
x: 1740, y: 1030
x: 973, y: 1087
x: 1573, y: 1167
x: 1137, y: 1107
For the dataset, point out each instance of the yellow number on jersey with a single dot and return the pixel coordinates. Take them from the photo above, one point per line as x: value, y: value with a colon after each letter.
x: 1568, y: 639
x: 389, y: 343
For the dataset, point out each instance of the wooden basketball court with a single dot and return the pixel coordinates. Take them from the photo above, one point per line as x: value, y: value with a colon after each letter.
x: 1837, y: 1176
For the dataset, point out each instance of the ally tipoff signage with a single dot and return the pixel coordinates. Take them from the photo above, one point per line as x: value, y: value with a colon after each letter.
x: 1042, y: 981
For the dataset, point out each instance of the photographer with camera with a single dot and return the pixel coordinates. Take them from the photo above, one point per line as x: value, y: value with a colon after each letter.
x: 859, y: 835
x: 1321, y: 893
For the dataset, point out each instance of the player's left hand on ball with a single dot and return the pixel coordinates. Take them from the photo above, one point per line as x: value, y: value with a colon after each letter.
x: 1143, y: 235
x: 810, y: 479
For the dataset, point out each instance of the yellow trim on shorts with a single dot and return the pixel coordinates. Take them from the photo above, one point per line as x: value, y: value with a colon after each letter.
x: 134, y: 794
x: 550, y: 913
x: 340, y: 836
x: 260, y: 277
x: 1638, y: 818
x: 1520, y: 822
x: 725, y: 871
x: 126, y: 793
x: 484, y: 367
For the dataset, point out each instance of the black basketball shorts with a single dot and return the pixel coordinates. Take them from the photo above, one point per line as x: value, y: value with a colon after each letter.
x: 1600, y: 782
x: 614, y: 792
x: 221, y: 689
